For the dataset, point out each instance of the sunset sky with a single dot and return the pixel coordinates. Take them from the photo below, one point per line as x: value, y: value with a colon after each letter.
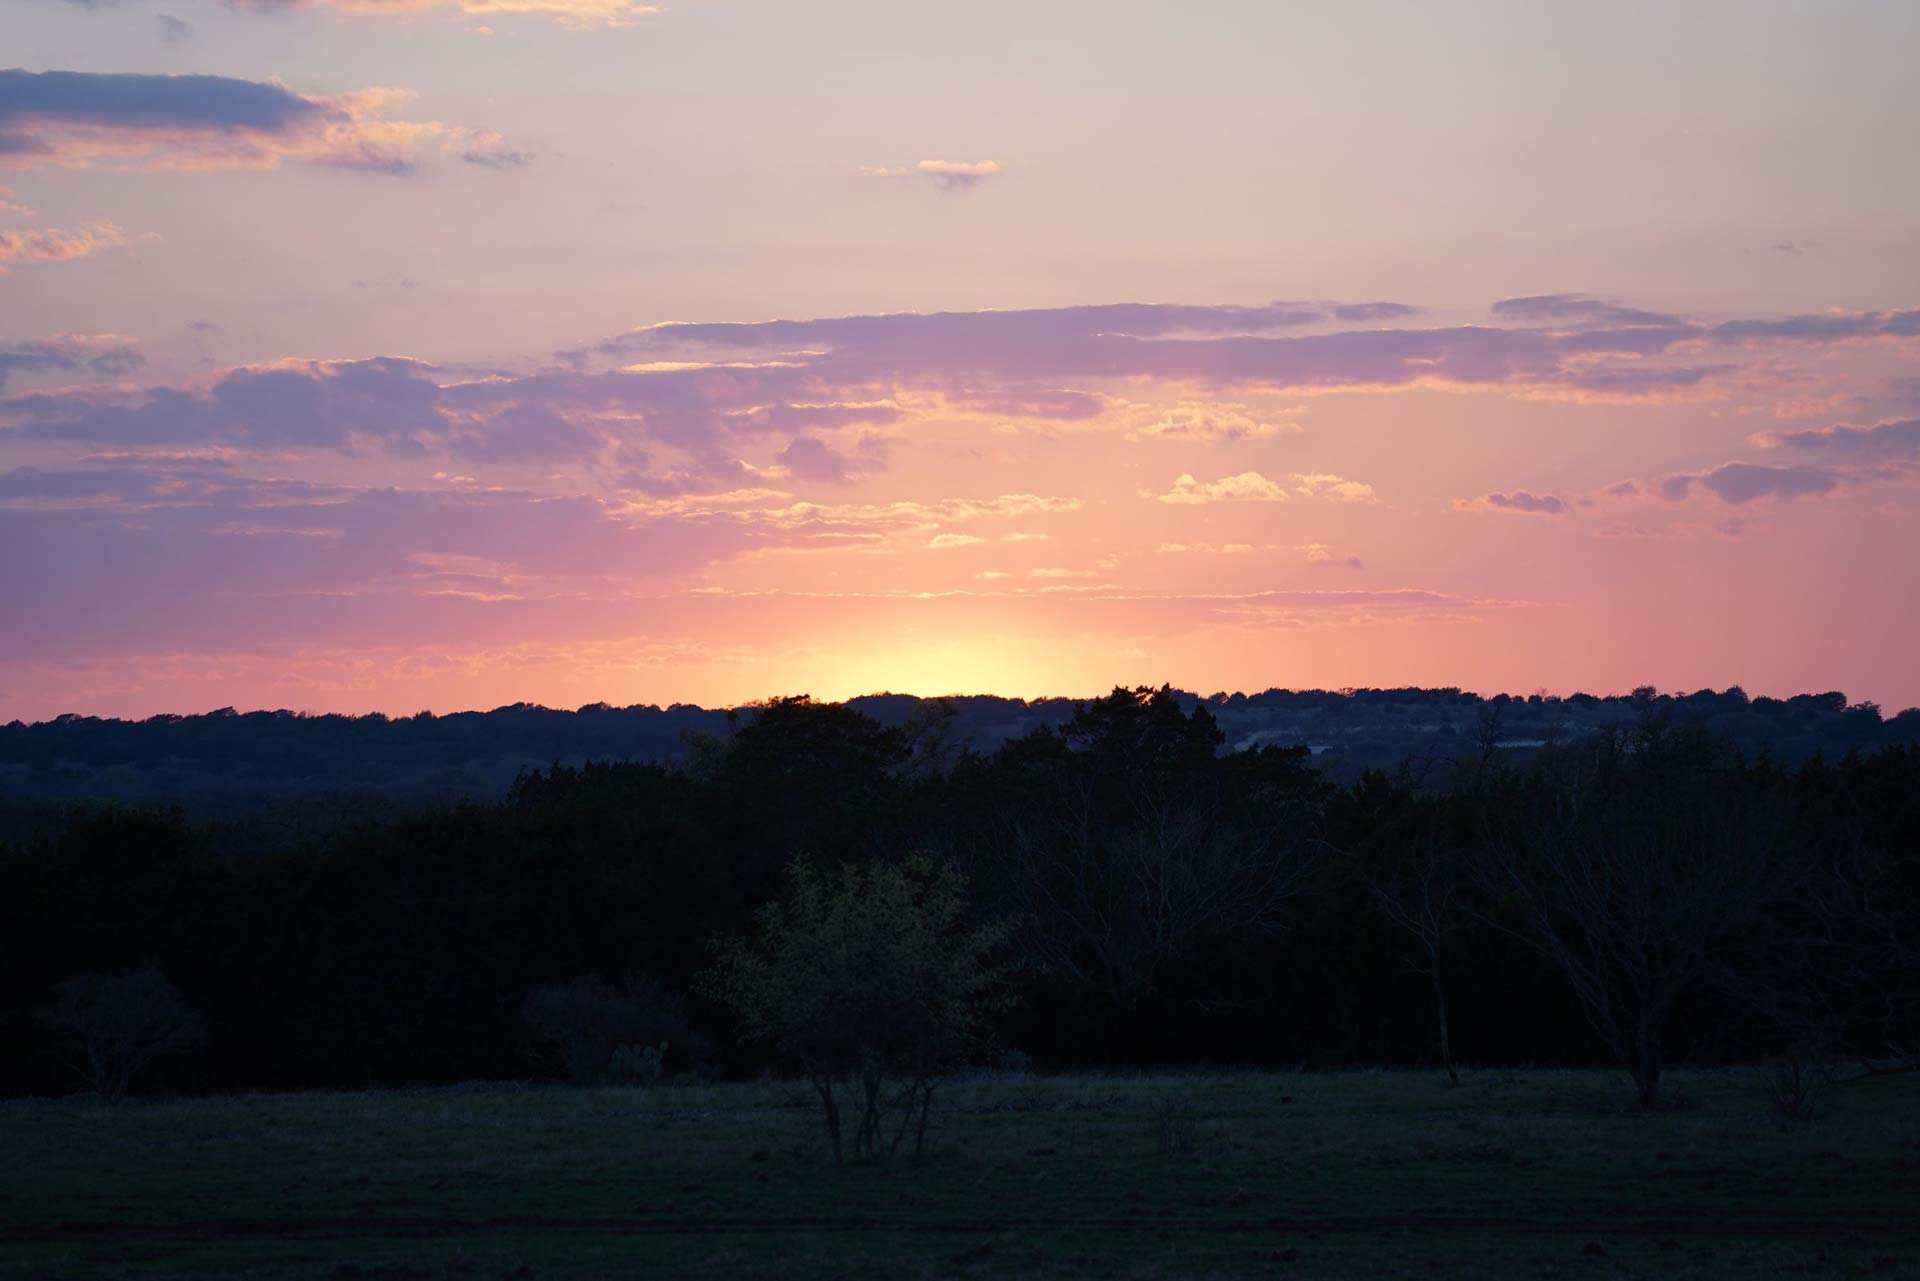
x: 403, y: 354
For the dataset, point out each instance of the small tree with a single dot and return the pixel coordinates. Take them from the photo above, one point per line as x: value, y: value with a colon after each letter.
x: 872, y: 976
x: 112, y: 1027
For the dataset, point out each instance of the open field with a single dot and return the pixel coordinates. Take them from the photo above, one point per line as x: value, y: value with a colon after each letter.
x: 1537, y: 1173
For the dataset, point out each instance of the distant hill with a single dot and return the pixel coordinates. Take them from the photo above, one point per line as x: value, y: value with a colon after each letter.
x: 316, y: 773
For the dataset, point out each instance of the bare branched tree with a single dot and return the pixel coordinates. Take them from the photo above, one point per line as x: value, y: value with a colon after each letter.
x: 1841, y: 977
x: 1425, y: 901
x: 113, y: 1027
x: 1111, y: 903
x: 1641, y: 877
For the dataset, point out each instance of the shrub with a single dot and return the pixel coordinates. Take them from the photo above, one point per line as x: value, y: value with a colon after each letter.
x: 579, y: 1025
x: 1791, y: 1083
x: 637, y: 1065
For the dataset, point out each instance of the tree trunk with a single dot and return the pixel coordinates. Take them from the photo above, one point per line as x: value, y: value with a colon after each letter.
x: 1646, y: 1082
x: 926, y: 1105
x: 824, y: 1084
x: 867, y: 1138
x: 1446, y: 1040
x: 1646, y: 1066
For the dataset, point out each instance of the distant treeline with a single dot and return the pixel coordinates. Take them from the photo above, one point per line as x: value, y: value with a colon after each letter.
x: 1641, y: 887
x: 291, y: 774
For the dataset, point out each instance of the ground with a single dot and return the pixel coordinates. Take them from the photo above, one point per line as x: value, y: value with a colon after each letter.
x: 1371, y: 1174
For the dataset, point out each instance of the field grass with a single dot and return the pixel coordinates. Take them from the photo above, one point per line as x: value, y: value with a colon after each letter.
x: 1388, y: 1174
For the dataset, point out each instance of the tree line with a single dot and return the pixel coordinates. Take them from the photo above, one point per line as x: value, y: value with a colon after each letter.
x: 1140, y: 896
x: 287, y: 776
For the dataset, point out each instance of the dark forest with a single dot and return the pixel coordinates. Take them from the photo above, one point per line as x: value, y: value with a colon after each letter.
x: 1646, y: 892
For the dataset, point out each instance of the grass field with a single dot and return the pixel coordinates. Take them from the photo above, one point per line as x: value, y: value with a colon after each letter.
x: 1516, y: 1173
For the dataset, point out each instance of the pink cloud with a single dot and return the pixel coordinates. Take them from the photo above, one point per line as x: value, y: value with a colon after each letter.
x: 1244, y: 347
x: 1519, y: 501
x: 51, y: 244
x: 948, y: 175
x: 580, y: 14
x: 1245, y: 487
x: 1211, y: 422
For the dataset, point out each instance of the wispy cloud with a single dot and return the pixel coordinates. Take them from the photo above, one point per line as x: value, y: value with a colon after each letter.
x: 1211, y: 423
x: 1204, y: 549
x: 108, y: 355
x: 75, y: 119
x: 1322, y: 484
x: 1605, y: 354
x: 582, y: 14
x: 1740, y: 483
x: 1893, y: 438
x: 1321, y: 556
x: 947, y: 175
x: 1245, y: 487
x: 51, y: 244
x: 1518, y: 502
x: 1580, y: 310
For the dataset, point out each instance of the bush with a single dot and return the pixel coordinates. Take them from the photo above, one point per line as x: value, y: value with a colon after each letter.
x: 1791, y: 1083
x: 578, y: 1026
x: 637, y: 1065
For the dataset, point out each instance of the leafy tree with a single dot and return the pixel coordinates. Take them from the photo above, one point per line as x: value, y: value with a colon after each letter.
x: 869, y: 976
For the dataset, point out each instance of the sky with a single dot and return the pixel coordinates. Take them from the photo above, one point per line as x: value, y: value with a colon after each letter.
x: 441, y: 354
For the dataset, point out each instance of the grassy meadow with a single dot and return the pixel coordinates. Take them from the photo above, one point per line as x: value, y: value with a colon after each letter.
x: 1369, y: 1174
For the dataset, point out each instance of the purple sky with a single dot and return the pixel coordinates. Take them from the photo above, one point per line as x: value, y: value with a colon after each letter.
x: 422, y: 353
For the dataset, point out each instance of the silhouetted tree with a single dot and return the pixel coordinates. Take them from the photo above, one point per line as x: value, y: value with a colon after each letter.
x: 1645, y: 868
x: 113, y: 1027
x: 1142, y: 846
x: 1419, y: 888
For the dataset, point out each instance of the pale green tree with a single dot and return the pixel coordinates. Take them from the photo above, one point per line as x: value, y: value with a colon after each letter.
x: 876, y: 980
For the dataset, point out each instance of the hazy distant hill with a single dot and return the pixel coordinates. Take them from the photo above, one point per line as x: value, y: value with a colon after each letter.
x: 320, y: 772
